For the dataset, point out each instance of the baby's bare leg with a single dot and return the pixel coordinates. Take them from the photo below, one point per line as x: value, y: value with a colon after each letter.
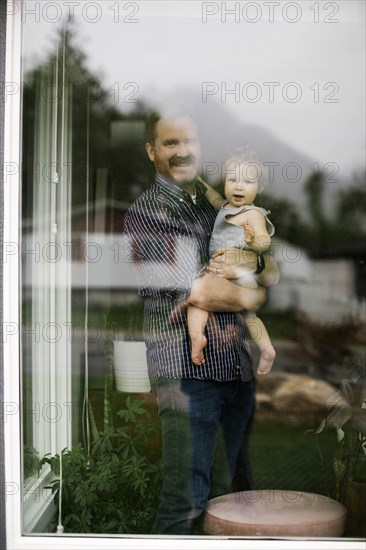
x: 197, y: 321
x: 258, y: 333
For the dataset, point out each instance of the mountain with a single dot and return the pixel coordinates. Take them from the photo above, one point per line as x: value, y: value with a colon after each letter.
x: 221, y: 133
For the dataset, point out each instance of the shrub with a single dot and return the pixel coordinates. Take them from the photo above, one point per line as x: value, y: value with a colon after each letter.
x: 115, y: 488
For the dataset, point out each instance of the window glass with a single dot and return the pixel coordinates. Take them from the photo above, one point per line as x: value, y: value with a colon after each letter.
x: 286, y: 79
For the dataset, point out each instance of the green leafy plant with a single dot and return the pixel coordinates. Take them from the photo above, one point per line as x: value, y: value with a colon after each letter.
x: 347, y: 416
x: 30, y: 461
x: 126, y: 322
x: 116, y: 488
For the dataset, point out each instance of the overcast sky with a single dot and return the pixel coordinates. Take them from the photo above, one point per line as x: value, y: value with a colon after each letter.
x: 298, y: 68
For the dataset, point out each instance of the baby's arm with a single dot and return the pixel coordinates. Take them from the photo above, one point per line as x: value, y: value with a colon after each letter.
x: 256, y: 234
x: 213, y: 197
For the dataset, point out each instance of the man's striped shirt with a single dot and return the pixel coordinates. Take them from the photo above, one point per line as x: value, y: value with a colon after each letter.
x: 169, y: 234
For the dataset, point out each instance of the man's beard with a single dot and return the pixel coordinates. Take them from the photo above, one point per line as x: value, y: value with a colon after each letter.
x: 184, y: 162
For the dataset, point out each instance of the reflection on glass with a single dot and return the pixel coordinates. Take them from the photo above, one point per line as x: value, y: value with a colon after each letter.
x: 84, y: 162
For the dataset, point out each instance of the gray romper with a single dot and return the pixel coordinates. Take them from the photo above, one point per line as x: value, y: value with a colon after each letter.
x: 229, y: 235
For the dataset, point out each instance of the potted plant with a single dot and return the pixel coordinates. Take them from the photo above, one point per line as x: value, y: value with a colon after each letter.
x: 30, y: 461
x: 112, y: 483
x: 347, y: 415
x: 115, y: 488
x: 130, y: 366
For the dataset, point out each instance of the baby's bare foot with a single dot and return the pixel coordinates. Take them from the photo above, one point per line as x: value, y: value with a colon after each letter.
x: 266, y: 359
x: 199, y: 342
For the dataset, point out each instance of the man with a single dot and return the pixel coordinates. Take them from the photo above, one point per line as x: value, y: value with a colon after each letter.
x: 205, y: 408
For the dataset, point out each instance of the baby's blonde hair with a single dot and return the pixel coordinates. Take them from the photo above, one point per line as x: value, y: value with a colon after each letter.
x: 247, y: 155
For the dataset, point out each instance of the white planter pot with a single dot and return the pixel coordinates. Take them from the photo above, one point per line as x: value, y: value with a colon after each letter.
x: 130, y: 367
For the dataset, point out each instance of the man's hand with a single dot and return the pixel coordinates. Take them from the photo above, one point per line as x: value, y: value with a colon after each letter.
x: 214, y: 294
x: 232, y: 263
x: 214, y: 291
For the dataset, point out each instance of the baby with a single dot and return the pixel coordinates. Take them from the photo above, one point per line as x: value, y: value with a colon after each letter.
x: 239, y: 224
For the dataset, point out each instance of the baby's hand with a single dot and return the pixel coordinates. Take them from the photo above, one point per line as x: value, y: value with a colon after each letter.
x: 249, y: 234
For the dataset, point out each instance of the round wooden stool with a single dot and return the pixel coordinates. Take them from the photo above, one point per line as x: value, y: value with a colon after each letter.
x: 275, y: 513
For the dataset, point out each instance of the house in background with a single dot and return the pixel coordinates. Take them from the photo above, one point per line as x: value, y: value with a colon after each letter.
x: 324, y: 289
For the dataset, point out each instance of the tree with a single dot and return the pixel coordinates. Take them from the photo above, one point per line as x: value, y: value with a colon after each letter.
x: 350, y: 216
x: 286, y: 219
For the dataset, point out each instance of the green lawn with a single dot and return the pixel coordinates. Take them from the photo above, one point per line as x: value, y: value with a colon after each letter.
x: 283, y: 456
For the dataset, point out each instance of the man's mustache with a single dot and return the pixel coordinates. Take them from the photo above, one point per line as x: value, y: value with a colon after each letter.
x: 181, y: 161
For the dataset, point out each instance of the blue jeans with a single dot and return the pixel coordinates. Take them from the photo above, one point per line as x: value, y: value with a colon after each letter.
x: 203, y: 425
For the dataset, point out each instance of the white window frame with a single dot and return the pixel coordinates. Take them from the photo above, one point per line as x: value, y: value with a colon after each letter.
x: 51, y: 288
x: 12, y: 420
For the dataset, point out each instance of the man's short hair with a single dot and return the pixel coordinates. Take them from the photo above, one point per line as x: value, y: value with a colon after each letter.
x: 167, y: 113
x: 151, y: 122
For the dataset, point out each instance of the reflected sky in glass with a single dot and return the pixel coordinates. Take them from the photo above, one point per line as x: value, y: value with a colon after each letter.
x: 295, y: 69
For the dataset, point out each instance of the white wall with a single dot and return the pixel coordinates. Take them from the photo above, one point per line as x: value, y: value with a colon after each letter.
x: 324, y: 290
